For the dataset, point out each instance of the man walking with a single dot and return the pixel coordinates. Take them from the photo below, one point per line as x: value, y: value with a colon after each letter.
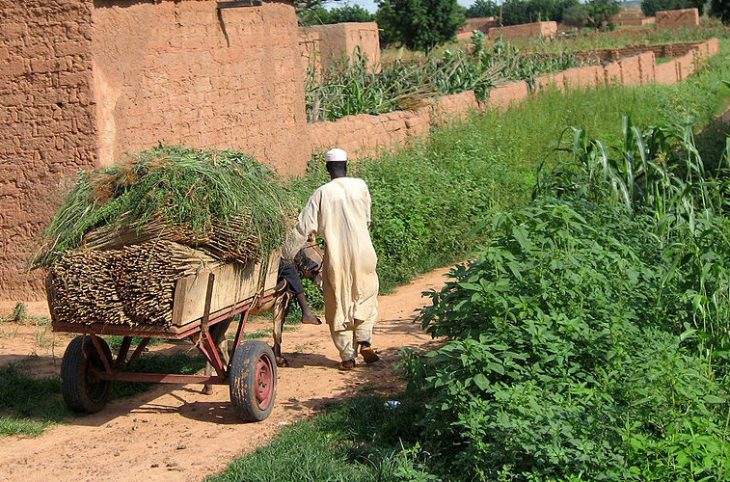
x: 339, y: 212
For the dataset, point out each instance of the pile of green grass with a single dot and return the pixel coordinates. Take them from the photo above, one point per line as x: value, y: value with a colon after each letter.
x: 185, y: 188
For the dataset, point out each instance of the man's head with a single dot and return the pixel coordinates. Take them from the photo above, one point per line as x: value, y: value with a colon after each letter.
x: 336, y: 163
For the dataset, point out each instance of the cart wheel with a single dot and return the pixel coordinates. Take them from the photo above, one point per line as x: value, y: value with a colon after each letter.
x: 253, y: 381
x: 82, y: 391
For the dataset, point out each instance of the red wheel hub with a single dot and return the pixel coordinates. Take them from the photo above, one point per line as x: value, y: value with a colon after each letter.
x: 264, y: 382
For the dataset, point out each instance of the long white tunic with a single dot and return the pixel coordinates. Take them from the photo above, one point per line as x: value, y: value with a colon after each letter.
x: 339, y: 212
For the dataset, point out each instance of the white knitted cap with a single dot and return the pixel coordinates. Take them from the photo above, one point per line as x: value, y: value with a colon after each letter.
x: 336, y: 155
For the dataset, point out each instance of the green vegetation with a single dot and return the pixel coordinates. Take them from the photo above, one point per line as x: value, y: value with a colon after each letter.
x: 29, y: 405
x: 349, y: 88
x: 721, y: 10
x: 651, y: 7
x: 587, y: 341
x: 587, y: 40
x: 20, y: 315
x: 419, y: 24
x: 183, y: 187
x: 319, y: 15
x: 590, y: 339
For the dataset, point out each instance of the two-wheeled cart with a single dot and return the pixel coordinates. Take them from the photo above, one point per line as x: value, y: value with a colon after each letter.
x: 204, y: 305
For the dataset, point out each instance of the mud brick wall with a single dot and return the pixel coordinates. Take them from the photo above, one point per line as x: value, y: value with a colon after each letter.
x: 309, y: 47
x: 663, y: 50
x: 183, y: 73
x: 687, y: 17
x: 46, y: 122
x: 536, y: 29
x: 482, y: 24
x: 82, y: 82
x: 341, y: 40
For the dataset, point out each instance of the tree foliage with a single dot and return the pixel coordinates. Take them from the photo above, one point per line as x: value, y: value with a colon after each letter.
x: 515, y: 12
x: 721, y: 10
x: 483, y: 8
x: 319, y: 15
x: 419, y: 24
x: 651, y: 7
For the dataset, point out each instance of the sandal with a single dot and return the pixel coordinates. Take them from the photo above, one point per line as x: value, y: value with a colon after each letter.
x: 368, y: 354
x: 347, y: 365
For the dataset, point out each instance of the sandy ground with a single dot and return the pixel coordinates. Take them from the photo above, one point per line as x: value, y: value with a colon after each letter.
x: 177, y: 433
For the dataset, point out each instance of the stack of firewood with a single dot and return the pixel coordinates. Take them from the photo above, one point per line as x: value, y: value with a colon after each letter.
x: 131, y: 285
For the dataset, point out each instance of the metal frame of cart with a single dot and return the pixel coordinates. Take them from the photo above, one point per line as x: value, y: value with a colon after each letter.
x: 89, y: 368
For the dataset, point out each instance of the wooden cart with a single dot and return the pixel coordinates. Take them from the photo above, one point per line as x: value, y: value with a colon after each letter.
x: 203, y: 307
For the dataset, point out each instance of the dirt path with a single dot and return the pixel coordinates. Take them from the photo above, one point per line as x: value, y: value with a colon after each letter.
x: 180, y: 434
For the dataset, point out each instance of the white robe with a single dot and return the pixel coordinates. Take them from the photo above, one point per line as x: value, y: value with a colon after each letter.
x: 339, y: 212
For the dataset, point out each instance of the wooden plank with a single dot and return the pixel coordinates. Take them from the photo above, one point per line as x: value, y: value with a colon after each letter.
x: 234, y: 283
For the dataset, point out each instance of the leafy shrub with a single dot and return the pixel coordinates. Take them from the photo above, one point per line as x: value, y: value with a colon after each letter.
x: 578, y: 342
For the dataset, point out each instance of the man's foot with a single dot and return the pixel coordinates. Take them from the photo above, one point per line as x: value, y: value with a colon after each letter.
x: 347, y: 365
x: 368, y: 354
x: 311, y: 320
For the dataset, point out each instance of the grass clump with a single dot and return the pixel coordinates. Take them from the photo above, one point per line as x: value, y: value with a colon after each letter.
x: 185, y: 188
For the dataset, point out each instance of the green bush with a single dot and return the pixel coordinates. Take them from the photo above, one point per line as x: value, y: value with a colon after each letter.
x: 588, y: 341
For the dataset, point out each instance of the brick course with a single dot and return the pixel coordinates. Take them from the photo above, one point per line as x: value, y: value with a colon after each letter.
x: 686, y: 17
x: 535, y: 29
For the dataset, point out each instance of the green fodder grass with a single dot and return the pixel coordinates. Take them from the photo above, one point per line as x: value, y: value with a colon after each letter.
x: 188, y: 188
x: 29, y: 405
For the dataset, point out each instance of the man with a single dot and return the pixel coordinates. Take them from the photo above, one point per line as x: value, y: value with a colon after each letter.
x: 339, y: 211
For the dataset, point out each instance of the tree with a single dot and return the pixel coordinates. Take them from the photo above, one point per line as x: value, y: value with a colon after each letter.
x: 515, y: 12
x: 350, y: 13
x: 419, y: 24
x: 721, y: 10
x: 482, y: 8
x: 319, y: 15
x: 651, y: 7
x: 576, y: 16
x: 601, y: 11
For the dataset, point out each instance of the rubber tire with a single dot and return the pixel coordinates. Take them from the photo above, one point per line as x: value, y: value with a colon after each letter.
x: 78, y: 393
x: 242, y: 380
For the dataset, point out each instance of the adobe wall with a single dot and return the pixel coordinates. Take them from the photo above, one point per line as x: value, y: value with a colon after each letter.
x: 482, y: 24
x: 341, y: 40
x: 662, y: 50
x: 309, y: 47
x: 47, y: 124
x: 82, y: 82
x: 178, y: 73
x: 536, y: 29
x: 686, y: 17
